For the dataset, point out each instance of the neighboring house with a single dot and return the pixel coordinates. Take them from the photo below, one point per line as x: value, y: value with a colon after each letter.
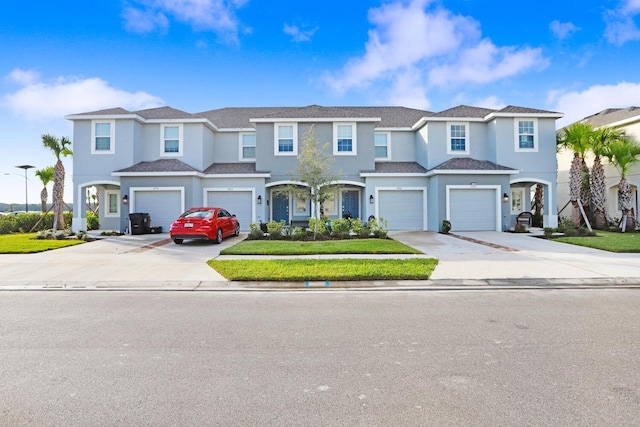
x: 476, y: 167
x: 627, y: 119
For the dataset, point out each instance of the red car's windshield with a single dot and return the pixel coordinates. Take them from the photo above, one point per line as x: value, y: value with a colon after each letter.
x: 197, y: 214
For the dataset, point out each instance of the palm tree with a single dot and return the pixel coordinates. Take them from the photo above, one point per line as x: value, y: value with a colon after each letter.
x: 601, y: 139
x: 59, y: 147
x: 46, y: 176
x: 577, y: 138
x: 624, y: 153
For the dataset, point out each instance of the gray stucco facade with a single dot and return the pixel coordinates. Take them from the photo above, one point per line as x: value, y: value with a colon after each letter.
x: 412, y: 168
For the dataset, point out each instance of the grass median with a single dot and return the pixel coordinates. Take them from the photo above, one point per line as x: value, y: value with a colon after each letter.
x: 606, y: 241
x: 348, y: 246
x: 325, y: 269
x: 24, y: 243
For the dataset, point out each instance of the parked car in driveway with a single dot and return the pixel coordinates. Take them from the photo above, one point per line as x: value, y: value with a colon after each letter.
x: 204, y: 223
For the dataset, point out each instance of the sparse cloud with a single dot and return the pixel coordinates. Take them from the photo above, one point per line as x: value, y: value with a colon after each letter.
x: 40, y: 100
x: 579, y: 104
x: 219, y: 16
x: 562, y: 30
x: 620, y: 24
x: 299, y: 34
x: 431, y: 46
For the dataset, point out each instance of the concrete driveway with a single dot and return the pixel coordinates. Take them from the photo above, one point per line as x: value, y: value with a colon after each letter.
x: 472, y: 258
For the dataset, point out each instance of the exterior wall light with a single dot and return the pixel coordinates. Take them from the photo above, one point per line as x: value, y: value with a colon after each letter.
x: 505, y: 197
x: 371, y: 199
x: 125, y: 200
x: 259, y: 199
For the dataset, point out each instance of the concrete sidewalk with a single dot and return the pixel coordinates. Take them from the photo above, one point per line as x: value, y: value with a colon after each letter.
x: 473, y: 259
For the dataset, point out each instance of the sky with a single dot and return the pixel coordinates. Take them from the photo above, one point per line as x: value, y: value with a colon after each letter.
x: 72, y: 56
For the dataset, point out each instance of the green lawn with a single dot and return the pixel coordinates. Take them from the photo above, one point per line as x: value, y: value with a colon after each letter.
x: 607, y: 241
x: 350, y: 246
x: 325, y: 269
x: 24, y: 243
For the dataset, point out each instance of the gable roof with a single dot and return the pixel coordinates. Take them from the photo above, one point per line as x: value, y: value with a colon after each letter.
x: 162, y: 165
x: 397, y: 167
x: 231, y: 169
x: 469, y: 164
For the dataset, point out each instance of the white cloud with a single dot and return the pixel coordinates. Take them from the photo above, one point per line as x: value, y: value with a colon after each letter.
x: 562, y: 30
x: 37, y: 100
x: 579, y: 104
x: 298, y: 34
x: 620, y: 25
x: 219, y: 16
x: 419, y: 37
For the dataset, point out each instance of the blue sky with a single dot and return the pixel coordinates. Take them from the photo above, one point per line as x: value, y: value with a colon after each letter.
x: 74, y: 56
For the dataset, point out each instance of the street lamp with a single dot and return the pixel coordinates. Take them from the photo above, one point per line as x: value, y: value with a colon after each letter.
x: 26, y: 193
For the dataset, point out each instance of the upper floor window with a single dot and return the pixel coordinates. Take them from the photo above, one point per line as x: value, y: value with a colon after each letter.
x: 112, y: 208
x: 247, y: 146
x: 102, y: 137
x: 526, y: 135
x: 171, y: 142
x: 381, y: 142
x: 344, y: 139
x: 458, y: 138
x: 286, y: 139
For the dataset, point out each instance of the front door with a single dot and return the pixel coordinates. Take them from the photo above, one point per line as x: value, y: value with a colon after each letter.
x: 280, y: 208
x: 351, y: 203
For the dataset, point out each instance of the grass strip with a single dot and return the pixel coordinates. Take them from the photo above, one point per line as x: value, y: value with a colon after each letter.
x: 325, y: 269
x: 607, y: 241
x: 348, y: 246
x: 24, y: 243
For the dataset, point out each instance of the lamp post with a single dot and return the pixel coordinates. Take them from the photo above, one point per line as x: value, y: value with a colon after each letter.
x: 26, y: 192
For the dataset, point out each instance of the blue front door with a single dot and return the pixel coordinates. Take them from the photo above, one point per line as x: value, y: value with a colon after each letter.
x: 351, y: 203
x: 280, y: 208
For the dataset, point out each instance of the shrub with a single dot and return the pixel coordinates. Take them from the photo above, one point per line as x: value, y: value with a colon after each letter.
x: 275, y: 229
x: 570, y: 232
x: 520, y: 228
x: 341, y: 228
x: 323, y: 226
x: 446, y: 226
x: 566, y: 223
x: 93, y: 223
x: 8, y: 224
x: 548, y: 232
x: 378, y: 228
x: 255, y: 231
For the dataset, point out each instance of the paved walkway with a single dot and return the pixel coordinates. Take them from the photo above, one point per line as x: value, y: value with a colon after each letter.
x: 473, y: 259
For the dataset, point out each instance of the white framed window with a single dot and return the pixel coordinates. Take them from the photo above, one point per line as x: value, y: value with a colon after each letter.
x: 171, y: 143
x: 102, y: 140
x: 300, y: 207
x: 330, y: 206
x: 247, y: 146
x: 526, y: 134
x: 112, y: 207
x: 286, y: 139
x: 344, y: 139
x: 382, y: 145
x: 457, y: 138
x: 517, y: 200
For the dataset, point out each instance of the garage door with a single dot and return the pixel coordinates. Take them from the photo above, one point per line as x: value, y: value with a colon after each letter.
x: 402, y: 209
x: 238, y: 203
x: 162, y: 206
x: 472, y: 209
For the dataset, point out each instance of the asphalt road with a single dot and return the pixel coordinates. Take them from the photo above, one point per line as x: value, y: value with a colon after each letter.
x: 485, y: 358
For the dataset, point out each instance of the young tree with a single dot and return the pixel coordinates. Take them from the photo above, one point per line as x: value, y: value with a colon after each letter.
x: 577, y: 138
x: 46, y: 176
x: 315, y: 171
x: 623, y: 153
x: 59, y: 147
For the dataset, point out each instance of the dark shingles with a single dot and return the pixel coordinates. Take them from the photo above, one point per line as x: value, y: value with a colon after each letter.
x: 108, y: 112
x: 162, y: 165
x: 238, y: 117
x: 612, y: 115
x: 397, y: 167
x: 524, y: 110
x: 467, y: 163
x: 465, y: 111
x: 231, y: 168
x: 162, y: 113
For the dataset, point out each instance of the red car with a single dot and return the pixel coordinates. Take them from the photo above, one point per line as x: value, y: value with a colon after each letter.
x: 204, y: 223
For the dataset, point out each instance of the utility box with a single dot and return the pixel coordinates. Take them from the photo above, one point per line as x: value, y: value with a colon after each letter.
x: 140, y: 223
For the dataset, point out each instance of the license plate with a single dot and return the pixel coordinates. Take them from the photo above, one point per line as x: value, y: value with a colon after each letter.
x: 188, y: 225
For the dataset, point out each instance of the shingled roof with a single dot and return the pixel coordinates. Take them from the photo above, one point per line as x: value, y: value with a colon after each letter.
x: 467, y: 163
x: 612, y: 115
x: 162, y: 165
x: 231, y: 168
x: 397, y: 167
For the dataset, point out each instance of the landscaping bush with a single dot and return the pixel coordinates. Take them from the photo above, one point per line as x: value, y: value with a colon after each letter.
x: 8, y: 224
x: 25, y: 222
x: 341, y: 228
x: 323, y: 226
x: 275, y: 229
x: 255, y: 231
x: 548, y: 232
x: 520, y: 228
x: 93, y: 223
x: 378, y: 228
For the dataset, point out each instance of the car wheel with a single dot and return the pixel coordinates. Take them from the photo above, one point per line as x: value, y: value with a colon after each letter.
x: 177, y: 241
x: 237, y: 231
x: 219, y: 236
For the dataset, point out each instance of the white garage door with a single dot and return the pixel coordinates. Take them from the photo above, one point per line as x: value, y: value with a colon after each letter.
x: 162, y: 206
x: 239, y: 203
x: 473, y: 209
x: 402, y: 209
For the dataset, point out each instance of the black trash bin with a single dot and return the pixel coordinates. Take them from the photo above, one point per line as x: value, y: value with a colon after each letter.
x: 139, y: 223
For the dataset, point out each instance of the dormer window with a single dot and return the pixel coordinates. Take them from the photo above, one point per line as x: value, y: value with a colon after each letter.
x: 458, y: 138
